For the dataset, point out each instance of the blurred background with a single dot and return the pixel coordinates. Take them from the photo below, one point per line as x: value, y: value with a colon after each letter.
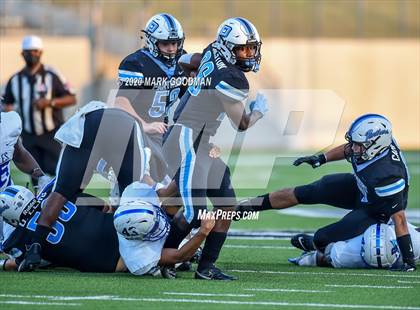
x: 365, y: 55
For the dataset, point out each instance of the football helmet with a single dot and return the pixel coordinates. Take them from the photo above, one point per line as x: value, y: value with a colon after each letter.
x: 164, y: 27
x: 139, y: 217
x: 379, y: 246
x: 373, y: 132
x: 14, y: 201
x: 236, y: 32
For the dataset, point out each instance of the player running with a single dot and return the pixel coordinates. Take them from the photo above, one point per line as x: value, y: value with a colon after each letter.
x: 84, y: 237
x: 150, y: 83
x: 376, y: 248
x: 198, y: 116
x: 376, y: 191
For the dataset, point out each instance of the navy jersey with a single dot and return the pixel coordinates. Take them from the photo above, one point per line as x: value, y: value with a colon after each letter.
x: 150, y: 85
x: 383, y: 182
x: 82, y: 238
x: 201, y: 107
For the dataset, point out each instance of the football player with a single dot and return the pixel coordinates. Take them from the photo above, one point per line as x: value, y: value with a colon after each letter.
x: 96, y: 138
x: 150, y: 83
x: 376, y: 191
x: 376, y: 248
x: 84, y: 237
x: 221, y: 89
x: 12, y: 149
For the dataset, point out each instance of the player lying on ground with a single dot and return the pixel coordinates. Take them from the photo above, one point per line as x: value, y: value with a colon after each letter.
x: 94, y: 139
x: 84, y: 237
x: 12, y: 149
x: 376, y: 191
x: 376, y: 248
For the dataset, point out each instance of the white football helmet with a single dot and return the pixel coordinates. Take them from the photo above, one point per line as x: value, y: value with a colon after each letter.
x: 139, y: 216
x: 164, y: 27
x: 235, y: 32
x: 373, y: 132
x: 379, y: 246
x: 14, y: 201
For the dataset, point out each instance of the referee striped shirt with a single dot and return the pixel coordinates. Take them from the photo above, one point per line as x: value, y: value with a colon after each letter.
x: 23, y: 89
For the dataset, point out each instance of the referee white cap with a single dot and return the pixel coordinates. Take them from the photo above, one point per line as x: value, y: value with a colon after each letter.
x: 32, y: 43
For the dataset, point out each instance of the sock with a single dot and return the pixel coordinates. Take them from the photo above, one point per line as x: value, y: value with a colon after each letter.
x: 211, y: 250
x: 406, y: 248
x: 258, y: 205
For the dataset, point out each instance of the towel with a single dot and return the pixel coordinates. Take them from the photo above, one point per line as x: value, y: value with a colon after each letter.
x: 71, y: 132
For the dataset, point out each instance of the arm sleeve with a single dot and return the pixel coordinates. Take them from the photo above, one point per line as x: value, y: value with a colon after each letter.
x: 232, y: 88
x: 389, y: 196
x: 8, y: 97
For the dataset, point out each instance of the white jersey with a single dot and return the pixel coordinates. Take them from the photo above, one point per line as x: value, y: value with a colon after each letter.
x: 140, y: 257
x: 10, y: 130
x: 346, y: 254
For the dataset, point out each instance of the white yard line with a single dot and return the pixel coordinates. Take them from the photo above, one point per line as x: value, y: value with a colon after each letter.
x: 36, y: 303
x: 203, y: 301
x: 240, y: 246
x: 366, y: 286
x: 285, y: 290
x: 399, y: 275
x: 409, y: 282
x: 208, y: 294
x: 62, y: 298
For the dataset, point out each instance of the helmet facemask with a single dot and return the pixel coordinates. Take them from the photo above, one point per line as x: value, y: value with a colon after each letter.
x: 168, y: 59
x: 365, y: 152
x: 251, y: 63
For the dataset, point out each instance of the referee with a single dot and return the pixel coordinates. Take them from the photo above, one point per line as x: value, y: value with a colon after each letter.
x: 38, y: 93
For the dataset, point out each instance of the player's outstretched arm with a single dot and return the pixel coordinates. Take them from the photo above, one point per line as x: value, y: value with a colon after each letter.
x: 27, y: 164
x: 172, y: 256
x: 337, y: 153
x: 240, y: 119
x: 404, y: 241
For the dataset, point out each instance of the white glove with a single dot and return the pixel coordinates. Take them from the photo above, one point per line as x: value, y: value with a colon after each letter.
x: 259, y: 104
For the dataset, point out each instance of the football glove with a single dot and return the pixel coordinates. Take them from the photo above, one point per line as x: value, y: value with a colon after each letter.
x: 315, y: 160
x: 259, y: 104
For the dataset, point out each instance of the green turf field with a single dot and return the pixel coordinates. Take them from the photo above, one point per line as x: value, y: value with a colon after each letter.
x: 266, y: 279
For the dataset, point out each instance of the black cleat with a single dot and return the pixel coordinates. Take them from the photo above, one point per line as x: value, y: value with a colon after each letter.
x: 168, y: 272
x: 32, y: 258
x: 213, y: 273
x: 303, y: 242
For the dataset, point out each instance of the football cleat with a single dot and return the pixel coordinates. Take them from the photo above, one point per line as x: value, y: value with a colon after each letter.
x: 303, y: 242
x: 213, y: 273
x: 243, y: 207
x: 305, y: 259
x: 168, y: 272
x: 32, y: 258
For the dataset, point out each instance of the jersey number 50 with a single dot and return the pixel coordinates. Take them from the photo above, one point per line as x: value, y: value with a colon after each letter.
x: 57, y: 234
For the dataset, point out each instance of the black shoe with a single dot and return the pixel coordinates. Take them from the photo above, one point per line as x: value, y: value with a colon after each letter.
x: 32, y: 258
x: 213, y: 273
x: 303, y: 242
x: 168, y: 272
x: 187, y: 266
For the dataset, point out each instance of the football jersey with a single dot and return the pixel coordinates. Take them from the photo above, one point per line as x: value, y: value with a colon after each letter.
x: 201, y: 107
x: 150, y: 85
x: 10, y: 130
x: 383, y: 182
x: 82, y: 238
